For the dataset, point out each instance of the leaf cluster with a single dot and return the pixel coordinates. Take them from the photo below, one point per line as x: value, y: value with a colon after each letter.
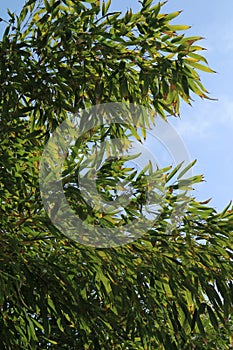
x: 170, y: 288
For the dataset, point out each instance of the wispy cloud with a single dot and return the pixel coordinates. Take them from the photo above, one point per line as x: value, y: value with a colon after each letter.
x: 206, y: 119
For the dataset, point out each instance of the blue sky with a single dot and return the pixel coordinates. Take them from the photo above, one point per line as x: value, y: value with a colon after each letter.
x: 207, y: 126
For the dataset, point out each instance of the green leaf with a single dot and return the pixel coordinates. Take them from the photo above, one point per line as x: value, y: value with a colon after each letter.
x: 47, y: 5
x: 213, y: 317
x: 201, y: 67
x: 172, y: 15
x: 178, y: 27
x: 174, y: 171
x: 105, y: 7
x: 222, y: 214
x: 186, y: 169
x: 185, y: 85
x: 197, y: 57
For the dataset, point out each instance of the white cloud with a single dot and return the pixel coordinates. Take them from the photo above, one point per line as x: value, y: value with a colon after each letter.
x: 205, y: 119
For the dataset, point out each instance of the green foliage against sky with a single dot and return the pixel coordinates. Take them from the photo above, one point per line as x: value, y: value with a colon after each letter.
x: 170, y: 289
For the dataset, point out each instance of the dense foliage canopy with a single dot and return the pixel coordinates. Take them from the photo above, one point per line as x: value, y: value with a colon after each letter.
x: 169, y: 289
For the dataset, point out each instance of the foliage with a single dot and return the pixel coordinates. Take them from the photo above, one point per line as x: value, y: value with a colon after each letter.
x: 170, y: 289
